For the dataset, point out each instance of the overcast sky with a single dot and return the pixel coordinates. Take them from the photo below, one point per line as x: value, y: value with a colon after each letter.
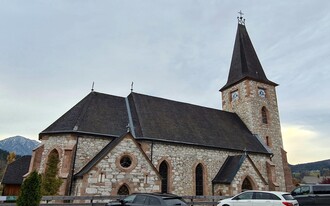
x: 52, y: 51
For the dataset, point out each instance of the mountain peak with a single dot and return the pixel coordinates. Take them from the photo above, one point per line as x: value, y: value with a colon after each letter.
x: 19, y: 144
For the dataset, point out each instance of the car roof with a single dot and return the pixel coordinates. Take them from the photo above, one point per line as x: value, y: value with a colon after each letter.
x: 163, y: 195
x: 274, y: 192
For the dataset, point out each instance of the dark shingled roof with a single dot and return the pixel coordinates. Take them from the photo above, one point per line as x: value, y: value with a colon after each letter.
x: 173, y: 121
x: 97, y: 113
x: 16, y: 170
x: 157, y: 119
x: 229, y: 169
x: 245, y: 63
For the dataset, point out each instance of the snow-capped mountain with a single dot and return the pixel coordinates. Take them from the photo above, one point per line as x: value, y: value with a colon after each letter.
x: 18, y: 144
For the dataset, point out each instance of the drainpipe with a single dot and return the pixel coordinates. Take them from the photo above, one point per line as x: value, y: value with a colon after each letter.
x: 152, y: 150
x: 72, y: 166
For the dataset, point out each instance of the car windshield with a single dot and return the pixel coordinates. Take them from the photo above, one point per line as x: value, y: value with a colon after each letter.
x: 174, y: 201
x: 288, y: 197
x: 129, y: 198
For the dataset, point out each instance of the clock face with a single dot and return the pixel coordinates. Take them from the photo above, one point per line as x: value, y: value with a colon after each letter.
x: 262, y: 92
x: 234, y: 95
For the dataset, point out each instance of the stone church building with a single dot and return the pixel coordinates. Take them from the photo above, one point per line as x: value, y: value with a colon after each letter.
x: 111, y: 145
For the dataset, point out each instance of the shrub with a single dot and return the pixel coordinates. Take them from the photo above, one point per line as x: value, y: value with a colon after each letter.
x: 30, y: 194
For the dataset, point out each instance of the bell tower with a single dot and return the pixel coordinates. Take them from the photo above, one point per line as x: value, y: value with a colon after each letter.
x: 250, y: 94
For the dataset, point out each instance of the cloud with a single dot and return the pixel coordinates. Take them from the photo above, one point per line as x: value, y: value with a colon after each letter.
x: 304, y: 144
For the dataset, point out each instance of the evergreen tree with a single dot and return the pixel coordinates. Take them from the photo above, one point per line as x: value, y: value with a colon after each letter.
x: 30, y: 194
x: 50, y: 181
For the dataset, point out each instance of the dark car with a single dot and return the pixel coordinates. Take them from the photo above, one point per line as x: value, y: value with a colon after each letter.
x: 312, y: 195
x: 155, y: 199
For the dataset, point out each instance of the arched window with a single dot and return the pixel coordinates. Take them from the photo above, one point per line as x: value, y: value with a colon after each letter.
x: 123, y: 190
x: 199, y: 179
x: 264, y: 115
x: 53, y: 161
x: 247, y: 185
x: 163, y: 170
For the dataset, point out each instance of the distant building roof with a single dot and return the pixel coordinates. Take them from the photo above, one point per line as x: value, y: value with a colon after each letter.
x: 15, y: 171
x: 313, y: 179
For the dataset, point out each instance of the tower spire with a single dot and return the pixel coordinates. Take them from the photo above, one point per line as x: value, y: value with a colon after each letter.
x: 245, y: 63
x: 240, y: 18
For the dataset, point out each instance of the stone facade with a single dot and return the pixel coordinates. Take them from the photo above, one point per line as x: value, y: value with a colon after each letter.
x: 107, y: 175
x: 183, y: 161
x: 249, y: 105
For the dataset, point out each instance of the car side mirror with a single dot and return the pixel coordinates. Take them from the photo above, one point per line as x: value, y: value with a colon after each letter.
x: 122, y: 201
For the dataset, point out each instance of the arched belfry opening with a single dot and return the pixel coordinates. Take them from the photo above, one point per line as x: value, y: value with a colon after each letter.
x: 163, y: 171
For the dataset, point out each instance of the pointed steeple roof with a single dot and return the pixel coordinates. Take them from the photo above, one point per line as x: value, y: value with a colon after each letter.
x: 245, y: 63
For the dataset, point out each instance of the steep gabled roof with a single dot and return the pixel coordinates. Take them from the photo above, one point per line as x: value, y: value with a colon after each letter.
x: 230, y: 168
x: 15, y: 171
x: 172, y: 121
x: 157, y: 119
x: 245, y: 63
x: 97, y: 113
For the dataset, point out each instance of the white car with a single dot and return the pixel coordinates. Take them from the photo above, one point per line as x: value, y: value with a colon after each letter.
x: 260, y: 198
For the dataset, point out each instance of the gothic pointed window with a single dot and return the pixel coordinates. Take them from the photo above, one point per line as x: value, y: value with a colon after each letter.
x: 123, y: 190
x: 53, y: 161
x: 199, y: 179
x: 163, y: 170
x: 247, y: 185
x: 264, y: 115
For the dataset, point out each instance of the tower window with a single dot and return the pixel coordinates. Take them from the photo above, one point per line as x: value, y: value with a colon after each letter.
x: 264, y: 115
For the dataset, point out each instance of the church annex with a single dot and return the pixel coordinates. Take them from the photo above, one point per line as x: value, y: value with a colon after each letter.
x: 110, y: 145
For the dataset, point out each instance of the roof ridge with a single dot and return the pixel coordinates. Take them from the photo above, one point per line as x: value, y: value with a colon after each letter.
x: 181, y: 102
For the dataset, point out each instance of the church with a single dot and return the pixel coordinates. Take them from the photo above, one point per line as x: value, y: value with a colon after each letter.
x: 111, y: 145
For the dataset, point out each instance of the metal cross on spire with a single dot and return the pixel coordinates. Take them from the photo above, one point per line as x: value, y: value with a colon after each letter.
x: 240, y: 18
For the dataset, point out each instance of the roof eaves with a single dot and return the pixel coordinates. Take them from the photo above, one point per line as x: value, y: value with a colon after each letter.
x: 198, y: 145
x: 78, y: 133
x: 229, y: 84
